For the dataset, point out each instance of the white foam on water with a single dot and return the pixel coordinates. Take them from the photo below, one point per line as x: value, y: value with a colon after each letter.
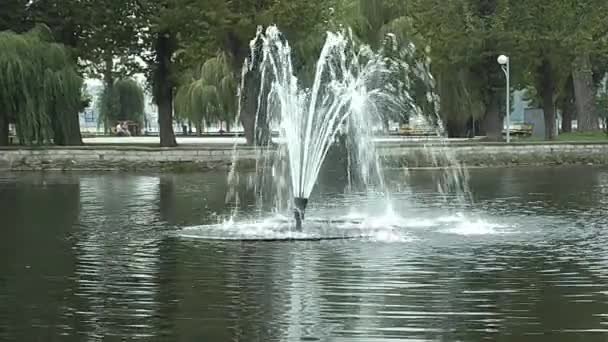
x: 279, y: 227
x: 390, y: 236
x: 461, y: 225
x: 388, y: 227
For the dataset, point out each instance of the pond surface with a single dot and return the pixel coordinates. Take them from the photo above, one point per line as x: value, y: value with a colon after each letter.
x: 91, y: 257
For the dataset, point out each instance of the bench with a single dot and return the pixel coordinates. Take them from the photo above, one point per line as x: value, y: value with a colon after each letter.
x: 522, y: 130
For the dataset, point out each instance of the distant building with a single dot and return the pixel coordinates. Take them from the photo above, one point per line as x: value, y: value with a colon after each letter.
x: 520, y: 104
x: 90, y: 116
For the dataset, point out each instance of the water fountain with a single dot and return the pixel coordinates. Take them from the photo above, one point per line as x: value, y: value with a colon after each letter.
x: 354, y: 91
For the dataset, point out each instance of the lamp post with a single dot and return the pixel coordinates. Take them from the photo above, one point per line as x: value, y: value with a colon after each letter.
x: 504, y: 63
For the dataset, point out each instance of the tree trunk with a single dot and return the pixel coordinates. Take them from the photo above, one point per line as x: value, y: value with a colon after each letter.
x: 4, y: 130
x: 474, y: 128
x: 567, y: 106
x: 456, y: 129
x: 584, y: 94
x: 492, y: 122
x: 387, y: 125
x: 66, y: 129
x: 254, y: 121
x: 227, y: 126
x: 199, y: 128
x: 567, y: 115
x: 108, y: 78
x: 73, y: 136
x: 248, y: 118
x: 253, y: 114
x: 165, y: 119
x: 547, y: 91
x: 163, y: 86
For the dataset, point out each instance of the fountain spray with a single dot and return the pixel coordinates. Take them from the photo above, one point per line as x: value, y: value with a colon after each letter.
x: 352, y: 86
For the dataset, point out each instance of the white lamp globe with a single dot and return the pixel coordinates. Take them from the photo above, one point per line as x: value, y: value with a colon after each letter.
x: 503, y: 60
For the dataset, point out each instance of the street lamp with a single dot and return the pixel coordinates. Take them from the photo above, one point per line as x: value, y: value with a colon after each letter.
x: 504, y: 63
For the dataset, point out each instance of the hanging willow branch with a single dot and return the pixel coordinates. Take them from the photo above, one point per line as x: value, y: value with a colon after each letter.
x: 40, y: 89
x: 208, y: 93
x: 124, y: 101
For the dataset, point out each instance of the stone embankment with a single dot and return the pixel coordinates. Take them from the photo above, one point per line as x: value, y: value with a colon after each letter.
x: 204, y: 157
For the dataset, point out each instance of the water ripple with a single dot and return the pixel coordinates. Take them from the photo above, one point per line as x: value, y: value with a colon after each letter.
x: 527, y: 262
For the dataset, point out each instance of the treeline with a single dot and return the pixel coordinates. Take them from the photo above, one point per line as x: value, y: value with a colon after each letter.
x: 191, y: 52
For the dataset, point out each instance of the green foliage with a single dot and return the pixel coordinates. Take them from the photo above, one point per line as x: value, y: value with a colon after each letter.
x: 572, y: 137
x: 13, y: 15
x: 123, y: 101
x: 40, y: 89
x: 65, y: 18
x: 110, y: 30
x: 304, y: 24
x: 194, y: 27
x: 208, y: 93
x: 460, y: 98
x: 602, y: 104
x: 107, y: 37
x: 466, y: 37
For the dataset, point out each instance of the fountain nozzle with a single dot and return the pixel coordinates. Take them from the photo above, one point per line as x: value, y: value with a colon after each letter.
x: 300, y: 207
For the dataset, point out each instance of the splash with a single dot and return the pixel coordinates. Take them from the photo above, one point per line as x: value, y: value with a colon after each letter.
x: 354, y: 92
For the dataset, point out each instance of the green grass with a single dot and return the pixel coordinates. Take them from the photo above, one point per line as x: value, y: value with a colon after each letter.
x: 583, y: 136
x: 571, y: 137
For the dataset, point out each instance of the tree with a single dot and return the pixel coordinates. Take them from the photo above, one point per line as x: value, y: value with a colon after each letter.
x: 536, y: 29
x: 208, y: 93
x: 13, y: 15
x: 559, y: 40
x: 234, y: 26
x: 109, y: 45
x: 175, y: 31
x: 602, y: 102
x: 65, y: 18
x: 40, y: 89
x: 565, y: 102
x: 587, y: 32
x: 384, y: 25
x: 584, y: 37
x: 163, y: 84
x: 104, y: 34
x: 123, y: 101
x: 465, y: 37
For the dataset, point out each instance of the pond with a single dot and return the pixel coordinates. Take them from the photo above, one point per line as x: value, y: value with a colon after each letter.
x: 103, y: 257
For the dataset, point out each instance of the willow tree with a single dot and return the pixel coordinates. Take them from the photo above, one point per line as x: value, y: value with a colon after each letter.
x: 544, y: 43
x: 466, y: 36
x: 123, y: 101
x: 208, y: 93
x: 602, y: 102
x: 40, y: 89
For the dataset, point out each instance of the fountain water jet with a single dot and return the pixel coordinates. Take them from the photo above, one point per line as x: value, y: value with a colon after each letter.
x: 300, y: 204
x: 354, y: 89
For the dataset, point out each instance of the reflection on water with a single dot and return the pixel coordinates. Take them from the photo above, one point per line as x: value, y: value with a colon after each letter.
x: 96, y: 257
x: 116, y: 267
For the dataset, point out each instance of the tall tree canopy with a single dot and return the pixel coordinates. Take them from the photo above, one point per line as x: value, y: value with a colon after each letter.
x: 123, y: 101
x: 40, y: 89
x: 13, y: 15
x: 557, y: 47
x: 208, y: 93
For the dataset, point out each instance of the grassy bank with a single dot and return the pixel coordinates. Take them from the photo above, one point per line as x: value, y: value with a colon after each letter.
x: 572, y: 137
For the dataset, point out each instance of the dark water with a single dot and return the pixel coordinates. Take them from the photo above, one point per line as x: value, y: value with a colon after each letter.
x: 97, y: 258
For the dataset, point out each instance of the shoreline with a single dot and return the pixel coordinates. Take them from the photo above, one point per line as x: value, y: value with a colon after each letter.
x: 196, y: 158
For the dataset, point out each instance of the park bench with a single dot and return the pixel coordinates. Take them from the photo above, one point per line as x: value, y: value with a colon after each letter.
x: 521, y: 130
x: 416, y: 131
